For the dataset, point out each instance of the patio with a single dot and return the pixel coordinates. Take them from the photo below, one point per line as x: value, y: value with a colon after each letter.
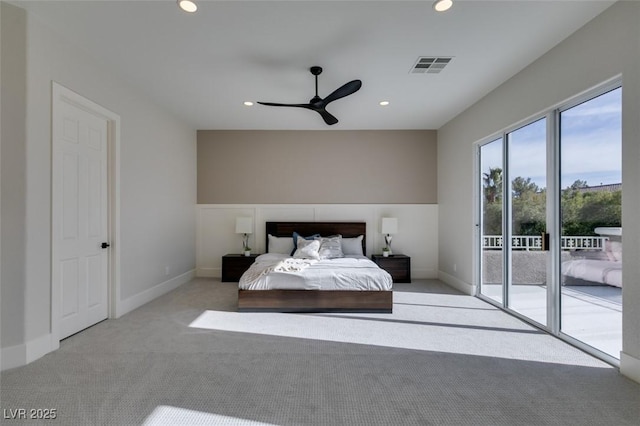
x: 591, y: 314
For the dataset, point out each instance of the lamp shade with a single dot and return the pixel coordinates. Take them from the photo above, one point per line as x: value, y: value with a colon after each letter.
x: 389, y: 225
x: 244, y: 225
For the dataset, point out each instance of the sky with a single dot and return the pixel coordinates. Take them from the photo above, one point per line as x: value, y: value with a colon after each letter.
x: 590, y: 145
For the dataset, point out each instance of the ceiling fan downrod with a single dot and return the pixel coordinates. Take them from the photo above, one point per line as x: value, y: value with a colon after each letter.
x: 316, y: 70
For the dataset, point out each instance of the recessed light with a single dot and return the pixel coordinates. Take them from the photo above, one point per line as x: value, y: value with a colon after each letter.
x: 187, y: 5
x: 442, y: 5
x: 384, y: 103
x: 248, y: 103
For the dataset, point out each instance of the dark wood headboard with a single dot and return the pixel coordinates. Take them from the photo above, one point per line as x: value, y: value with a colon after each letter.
x: 346, y: 229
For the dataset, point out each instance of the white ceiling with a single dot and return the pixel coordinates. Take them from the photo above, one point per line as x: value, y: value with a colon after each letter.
x: 203, y: 66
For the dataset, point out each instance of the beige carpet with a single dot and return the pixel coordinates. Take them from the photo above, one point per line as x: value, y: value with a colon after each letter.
x: 441, y: 358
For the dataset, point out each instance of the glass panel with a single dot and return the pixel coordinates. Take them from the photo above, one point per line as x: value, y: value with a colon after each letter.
x: 491, y: 220
x: 591, y: 164
x: 527, y: 173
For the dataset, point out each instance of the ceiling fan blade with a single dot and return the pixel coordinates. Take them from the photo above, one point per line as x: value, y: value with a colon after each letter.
x: 318, y: 104
x: 287, y: 105
x: 342, y: 91
x: 328, y: 118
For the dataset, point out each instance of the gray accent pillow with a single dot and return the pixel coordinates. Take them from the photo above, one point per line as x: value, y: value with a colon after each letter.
x: 330, y: 247
x: 283, y: 245
x: 352, y: 246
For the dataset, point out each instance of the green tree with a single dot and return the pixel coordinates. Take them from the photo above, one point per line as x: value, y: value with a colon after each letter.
x: 521, y: 186
x: 578, y: 184
x: 492, y: 208
x: 529, y: 213
x: 584, y: 211
x: 493, y: 185
x: 492, y: 219
x: 581, y: 210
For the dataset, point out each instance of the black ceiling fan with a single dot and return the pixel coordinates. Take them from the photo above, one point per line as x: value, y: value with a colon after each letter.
x: 318, y: 104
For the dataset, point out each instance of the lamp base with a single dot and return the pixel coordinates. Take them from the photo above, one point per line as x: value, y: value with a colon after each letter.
x: 387, y: 240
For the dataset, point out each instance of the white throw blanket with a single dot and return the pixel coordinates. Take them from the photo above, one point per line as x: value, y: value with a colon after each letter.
x: 293, y: 265
x: 290, y: 265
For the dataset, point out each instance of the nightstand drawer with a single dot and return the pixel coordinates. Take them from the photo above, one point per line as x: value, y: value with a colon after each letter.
x: 234, y: 265
x: 398, y: 265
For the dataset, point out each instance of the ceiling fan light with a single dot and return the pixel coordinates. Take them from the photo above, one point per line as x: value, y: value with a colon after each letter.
x: 248, y: 103
x: 384, y: 103
x: 187, y: 5
x: 442, y: 5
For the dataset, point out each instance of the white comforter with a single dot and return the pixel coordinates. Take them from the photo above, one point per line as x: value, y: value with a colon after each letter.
x: 280, y: 272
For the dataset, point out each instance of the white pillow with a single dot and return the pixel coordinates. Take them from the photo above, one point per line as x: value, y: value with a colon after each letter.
x: 614, y: 250
x: 307, y: 249
x: 283, y: 245
x: 330, y: 247
x: 352, y: 246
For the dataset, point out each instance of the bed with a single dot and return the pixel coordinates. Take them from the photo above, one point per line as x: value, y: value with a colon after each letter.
x: 592, y: 272
x: 355, y: 284
x: 596, y: 267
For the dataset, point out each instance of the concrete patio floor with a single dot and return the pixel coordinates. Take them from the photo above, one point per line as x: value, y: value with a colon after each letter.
x: 591, y: 314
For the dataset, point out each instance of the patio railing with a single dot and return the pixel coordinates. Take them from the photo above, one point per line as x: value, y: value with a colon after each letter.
x: 528, y: 242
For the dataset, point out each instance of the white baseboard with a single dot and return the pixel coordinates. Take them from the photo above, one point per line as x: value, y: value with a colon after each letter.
x: 134, y: 302
x: 456, y: 283
x: 23, y: 354
x: 630, y: 366
x: 39, y: 347
x: 209, y: 272
x: 424, y: 274
x: 13, y: 356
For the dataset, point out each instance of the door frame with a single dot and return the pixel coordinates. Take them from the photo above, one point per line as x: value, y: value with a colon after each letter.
x: 61, y: 94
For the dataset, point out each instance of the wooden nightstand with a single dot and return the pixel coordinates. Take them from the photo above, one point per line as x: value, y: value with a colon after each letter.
x: 398, y: 265
x: 234, y: 265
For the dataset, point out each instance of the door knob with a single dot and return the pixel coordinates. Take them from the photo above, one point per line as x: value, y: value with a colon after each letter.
x: 105, y: 245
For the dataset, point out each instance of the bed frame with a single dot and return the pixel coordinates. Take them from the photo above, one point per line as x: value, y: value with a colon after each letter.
x: 315, y: 300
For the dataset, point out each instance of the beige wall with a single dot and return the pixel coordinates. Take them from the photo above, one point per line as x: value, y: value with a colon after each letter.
x: 285, y: 167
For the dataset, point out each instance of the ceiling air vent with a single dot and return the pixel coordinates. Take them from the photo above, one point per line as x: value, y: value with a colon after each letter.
x: 430, y: 64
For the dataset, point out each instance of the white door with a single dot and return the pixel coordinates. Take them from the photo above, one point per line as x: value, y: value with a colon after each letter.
x: 80, y: 263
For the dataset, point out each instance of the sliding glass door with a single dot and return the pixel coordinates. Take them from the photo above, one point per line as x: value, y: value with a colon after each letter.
x: 513, y: 220
x: 591, y: 205
x: 550, y: 229
x: 527, y: 186
x: 491, y: 219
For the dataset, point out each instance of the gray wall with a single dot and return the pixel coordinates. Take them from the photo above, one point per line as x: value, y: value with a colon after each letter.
x: 606, y: 47
x: 157, y: 179
x: 329, y: 167
x: 13, y: 76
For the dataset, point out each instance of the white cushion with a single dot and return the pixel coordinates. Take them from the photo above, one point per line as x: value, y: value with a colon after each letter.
x: 614, y: 250
x: 283, y: 245
x: 307, y: 249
